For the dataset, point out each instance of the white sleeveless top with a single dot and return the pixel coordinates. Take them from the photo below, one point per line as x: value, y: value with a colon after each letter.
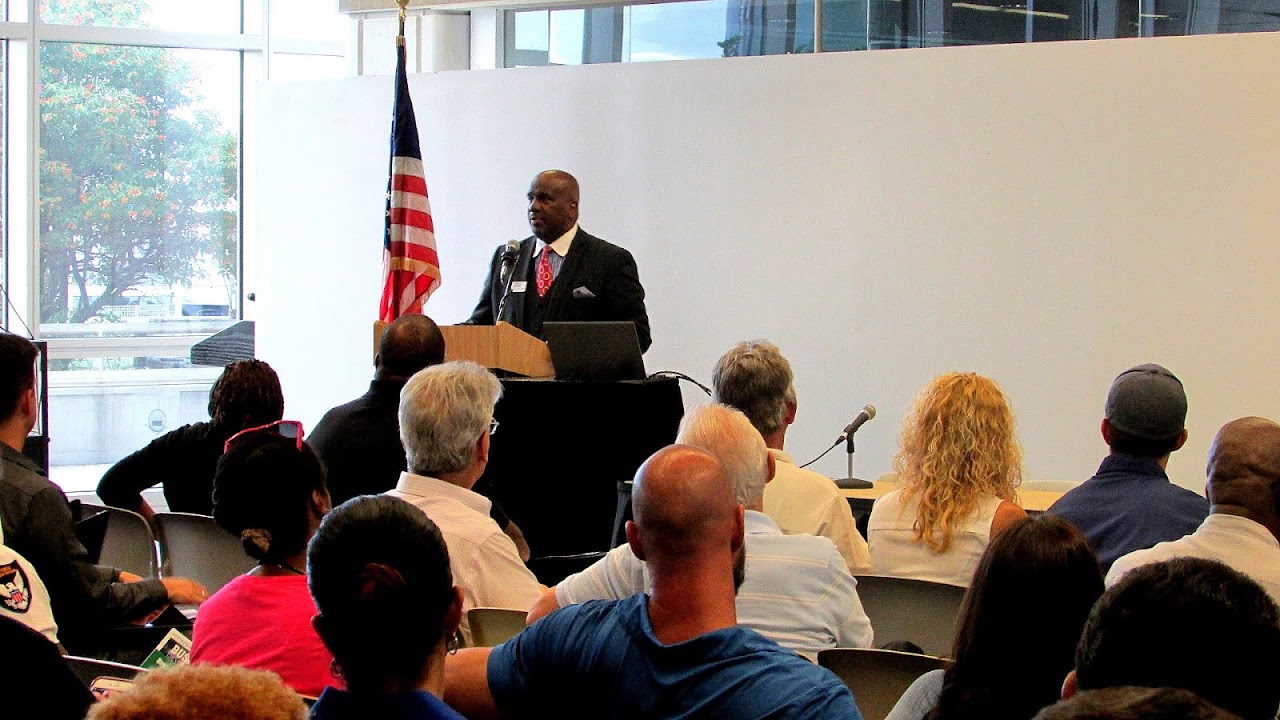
x: 23, y: 596
x: 895, y: 551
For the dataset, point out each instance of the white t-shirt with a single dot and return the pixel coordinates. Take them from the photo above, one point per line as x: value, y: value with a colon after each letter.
x: 896, y: 552
x: 23, y: 596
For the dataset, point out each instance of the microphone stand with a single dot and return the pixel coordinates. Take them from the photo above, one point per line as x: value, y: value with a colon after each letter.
x: 849, y: 482
x: 506, y: 290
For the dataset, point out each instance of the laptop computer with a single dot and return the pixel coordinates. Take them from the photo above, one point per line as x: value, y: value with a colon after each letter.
x: 596, y: 350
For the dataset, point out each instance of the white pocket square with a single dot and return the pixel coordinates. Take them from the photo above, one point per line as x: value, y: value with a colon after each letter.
x: 582, y: 293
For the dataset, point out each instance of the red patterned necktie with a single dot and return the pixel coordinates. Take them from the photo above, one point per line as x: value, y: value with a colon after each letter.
x: 544, y: 276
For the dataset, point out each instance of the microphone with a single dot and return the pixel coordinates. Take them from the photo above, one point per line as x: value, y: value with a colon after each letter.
x: 509, y: 258
x: 868, y: 412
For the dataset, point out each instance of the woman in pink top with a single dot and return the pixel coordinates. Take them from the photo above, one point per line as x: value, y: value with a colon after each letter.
x: 269, y: 491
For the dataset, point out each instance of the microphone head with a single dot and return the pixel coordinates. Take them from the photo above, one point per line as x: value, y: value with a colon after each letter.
x: 870, y: 410
x: 513, y: 247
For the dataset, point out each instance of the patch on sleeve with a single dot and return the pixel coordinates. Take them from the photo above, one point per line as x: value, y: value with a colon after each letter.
x: 15, y: 591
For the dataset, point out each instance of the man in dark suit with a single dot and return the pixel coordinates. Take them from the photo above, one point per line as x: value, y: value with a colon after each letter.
x: 561, y: 273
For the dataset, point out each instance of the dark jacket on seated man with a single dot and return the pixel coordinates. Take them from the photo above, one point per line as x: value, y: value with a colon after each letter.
x: 37, y: 523
x: 1130, y: 504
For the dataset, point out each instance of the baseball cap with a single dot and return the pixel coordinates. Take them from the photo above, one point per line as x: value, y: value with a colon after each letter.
x: 1147, y: 401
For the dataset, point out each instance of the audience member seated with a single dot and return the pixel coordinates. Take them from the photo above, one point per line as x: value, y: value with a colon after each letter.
x: 1130, y: 504
x: 39, y: 678
x: 1243, y: 527
x: 446, y: 416
x: 1135, y: 703
x: 203, y: 692
x: 359, y: 442
x: 1187, y: 623
x: 675, y: 652
x: 246, y: 394
x: 1018, y: 629
x: 960, y: 466
x: 37, y: 524
x: 269, y: 492
x: 798, y: 590
x: 755, y: 378
x: 23, y: 596
x: 388, y: 610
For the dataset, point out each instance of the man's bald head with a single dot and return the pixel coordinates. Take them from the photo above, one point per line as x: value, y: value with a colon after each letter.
x: 562, y: 181
x: 409, y: 344
x: 683, y: 503
x: 1244, y: 468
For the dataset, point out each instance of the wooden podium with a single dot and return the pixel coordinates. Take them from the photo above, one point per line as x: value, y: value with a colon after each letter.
x: 497, y: 347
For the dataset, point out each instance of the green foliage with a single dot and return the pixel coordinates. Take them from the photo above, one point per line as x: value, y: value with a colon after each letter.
x: 138, y: 182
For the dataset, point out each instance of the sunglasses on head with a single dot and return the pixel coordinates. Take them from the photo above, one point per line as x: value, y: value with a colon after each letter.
x: 291, y: 429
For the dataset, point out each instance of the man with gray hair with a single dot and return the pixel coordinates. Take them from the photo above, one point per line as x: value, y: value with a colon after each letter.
x: 798, y: 591
x: 446, y: 417
x: 755, y: 378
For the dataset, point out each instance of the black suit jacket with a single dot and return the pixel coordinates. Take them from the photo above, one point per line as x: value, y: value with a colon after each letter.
x: 598, y: 281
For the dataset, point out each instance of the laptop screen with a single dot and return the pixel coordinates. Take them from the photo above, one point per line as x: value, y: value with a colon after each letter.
x: 594, y: 350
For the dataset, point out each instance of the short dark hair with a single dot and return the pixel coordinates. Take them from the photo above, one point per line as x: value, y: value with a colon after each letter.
x: 1124, y: 443
x: 261, y: 493
x: 17, y: 371
x: 1189, y: 623
x: 410, y: 344
x: 246, y: 394
x: 1040, y: 567
x: 1135, y: 703
x: 376, y: 558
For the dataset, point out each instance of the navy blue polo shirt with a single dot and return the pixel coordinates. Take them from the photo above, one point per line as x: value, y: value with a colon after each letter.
x: 1130, y: 505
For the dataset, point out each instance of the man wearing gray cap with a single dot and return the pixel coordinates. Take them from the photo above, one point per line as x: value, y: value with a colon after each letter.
x: 1130, y: 504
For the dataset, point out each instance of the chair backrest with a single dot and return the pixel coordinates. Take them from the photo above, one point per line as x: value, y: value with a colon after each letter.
x: 916, y: 611
x: 128, y: 543
x: 193, y: 546
x: 493, y: 626
x: 89, y: 669
x: 877, y: 678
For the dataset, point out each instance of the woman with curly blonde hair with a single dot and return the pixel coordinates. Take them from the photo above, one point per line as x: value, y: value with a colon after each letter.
x: 959, y: 468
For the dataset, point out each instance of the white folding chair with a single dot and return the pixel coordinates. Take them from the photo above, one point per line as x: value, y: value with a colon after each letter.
x: 193, y: 546
x: 877, y: 678
x: 917, y: 611
x: 491, y: 627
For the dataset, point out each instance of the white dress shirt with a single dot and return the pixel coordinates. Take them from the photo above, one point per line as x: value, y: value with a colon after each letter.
x: 802, y: 501
x: 485, y: 562
x: 1237, y: 542
x: 559, y: 249
x: 798, y: 591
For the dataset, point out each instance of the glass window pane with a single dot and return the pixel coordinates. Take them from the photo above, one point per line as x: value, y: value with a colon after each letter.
x: 844, y: 25
x: 139, y: 169
x: 210, y: 16
x: 101, y: 409
x: 309, y: 19
x: 566, y: 39
x: 531, y: 30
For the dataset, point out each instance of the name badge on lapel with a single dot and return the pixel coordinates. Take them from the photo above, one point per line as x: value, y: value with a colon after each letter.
x: 519, y: 285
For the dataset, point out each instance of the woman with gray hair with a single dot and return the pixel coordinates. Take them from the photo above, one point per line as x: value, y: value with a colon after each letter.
x: 446, y: 418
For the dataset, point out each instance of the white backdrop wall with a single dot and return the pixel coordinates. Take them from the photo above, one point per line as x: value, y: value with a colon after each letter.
x: 1047, y: 215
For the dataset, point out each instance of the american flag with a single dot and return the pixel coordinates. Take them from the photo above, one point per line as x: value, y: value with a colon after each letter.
x: 409, y: 258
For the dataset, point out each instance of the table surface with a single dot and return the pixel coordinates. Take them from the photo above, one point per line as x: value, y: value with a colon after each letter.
x: 1031, y: 500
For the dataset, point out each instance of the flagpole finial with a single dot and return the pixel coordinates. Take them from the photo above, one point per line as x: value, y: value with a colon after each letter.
x: 403, y: 4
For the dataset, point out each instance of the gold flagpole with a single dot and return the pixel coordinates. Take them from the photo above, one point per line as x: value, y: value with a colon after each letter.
x: 400, y: 37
